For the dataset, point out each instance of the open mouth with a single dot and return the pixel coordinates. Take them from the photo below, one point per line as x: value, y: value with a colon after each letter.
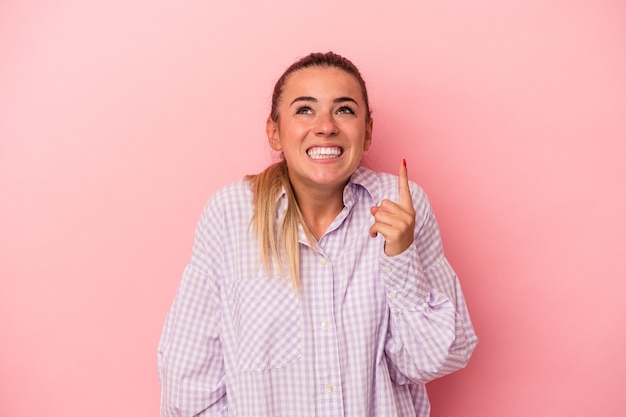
x: 318, y: 152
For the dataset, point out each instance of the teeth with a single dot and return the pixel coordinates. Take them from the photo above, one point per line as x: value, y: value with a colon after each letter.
x: 323, y: 153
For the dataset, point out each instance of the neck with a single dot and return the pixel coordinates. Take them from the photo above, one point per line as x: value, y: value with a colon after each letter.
x: 319, y: 207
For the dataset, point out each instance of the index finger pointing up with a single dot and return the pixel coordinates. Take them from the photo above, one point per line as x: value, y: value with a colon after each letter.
x: 404, y: 192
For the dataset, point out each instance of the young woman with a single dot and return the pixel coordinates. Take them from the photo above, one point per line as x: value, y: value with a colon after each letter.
x: 317, y: 287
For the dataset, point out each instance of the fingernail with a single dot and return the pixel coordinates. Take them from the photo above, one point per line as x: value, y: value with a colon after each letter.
x: 404, y: 162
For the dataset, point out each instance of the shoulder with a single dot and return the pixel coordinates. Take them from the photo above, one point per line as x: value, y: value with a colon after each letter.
x: 231, y: 202
x: 234, y: 193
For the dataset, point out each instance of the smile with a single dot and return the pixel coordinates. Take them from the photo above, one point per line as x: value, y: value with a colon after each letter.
x: 318, y: 152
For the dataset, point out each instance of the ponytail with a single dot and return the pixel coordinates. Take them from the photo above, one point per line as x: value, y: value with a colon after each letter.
x: 278, y: 242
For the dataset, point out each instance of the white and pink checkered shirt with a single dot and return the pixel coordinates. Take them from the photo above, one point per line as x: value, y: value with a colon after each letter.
x: 363, y: 336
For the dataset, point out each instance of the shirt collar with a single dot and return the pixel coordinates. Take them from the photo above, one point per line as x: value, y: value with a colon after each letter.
x: 361, y: 178
x: 368, y: 180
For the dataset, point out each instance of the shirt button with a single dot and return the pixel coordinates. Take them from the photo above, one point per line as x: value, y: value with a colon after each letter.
x: 387, y: 269
x: 323, y: 261
x: 330, y: 387
x: 393, y: 294
x: 324, y: 324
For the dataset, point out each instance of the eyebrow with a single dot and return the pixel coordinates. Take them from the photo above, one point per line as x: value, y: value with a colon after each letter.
x: 314, y: 100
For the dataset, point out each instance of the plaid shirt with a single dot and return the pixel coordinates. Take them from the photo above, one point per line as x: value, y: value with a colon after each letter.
x: 360, y: 339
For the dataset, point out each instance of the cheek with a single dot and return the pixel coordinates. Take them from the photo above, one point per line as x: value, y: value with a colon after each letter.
x: 293, y: 129
x: 362, y: 136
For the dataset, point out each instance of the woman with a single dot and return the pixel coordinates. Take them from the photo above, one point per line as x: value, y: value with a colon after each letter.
x: 317, y: 287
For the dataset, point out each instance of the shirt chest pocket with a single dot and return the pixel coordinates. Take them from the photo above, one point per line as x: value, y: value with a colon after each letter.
x: 267, y: 324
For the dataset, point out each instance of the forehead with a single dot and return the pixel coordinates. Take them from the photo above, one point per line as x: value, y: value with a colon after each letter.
x: 320, y: 82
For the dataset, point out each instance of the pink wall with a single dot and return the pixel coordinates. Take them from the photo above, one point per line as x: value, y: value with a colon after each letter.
x: 118, y: 119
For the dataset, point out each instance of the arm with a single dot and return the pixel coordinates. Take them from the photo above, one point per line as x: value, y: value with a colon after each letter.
x: 430, y: 333
x: 190, y: 360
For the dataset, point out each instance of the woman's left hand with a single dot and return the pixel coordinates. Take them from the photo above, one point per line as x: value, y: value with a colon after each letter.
x: 396, y: 221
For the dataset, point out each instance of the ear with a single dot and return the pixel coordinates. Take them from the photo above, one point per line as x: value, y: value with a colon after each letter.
x: 368, y: 134
x: 271, y: 129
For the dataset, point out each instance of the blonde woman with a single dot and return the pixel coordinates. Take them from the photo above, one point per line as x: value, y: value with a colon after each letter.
x: 317, y: 287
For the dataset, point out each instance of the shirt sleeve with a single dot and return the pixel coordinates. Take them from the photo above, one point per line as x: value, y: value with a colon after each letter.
x: 430, y: 333
x: 190, y: 359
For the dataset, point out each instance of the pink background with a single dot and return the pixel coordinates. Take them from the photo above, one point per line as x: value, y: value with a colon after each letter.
x: 118, y: 119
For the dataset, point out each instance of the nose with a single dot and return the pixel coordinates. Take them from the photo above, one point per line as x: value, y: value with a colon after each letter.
x: 326, y: 125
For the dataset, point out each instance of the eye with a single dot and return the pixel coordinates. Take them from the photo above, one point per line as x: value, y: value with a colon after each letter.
x: 345, y: 110
x: 304, y: 109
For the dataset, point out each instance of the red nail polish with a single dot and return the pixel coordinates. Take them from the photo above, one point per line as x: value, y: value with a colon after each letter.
x: 404, y: 162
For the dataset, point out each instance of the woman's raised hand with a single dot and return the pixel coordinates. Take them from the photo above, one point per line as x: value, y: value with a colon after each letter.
x: 396, y: 221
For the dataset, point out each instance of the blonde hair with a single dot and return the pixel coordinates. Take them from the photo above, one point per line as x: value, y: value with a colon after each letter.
x: 279, y: 243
